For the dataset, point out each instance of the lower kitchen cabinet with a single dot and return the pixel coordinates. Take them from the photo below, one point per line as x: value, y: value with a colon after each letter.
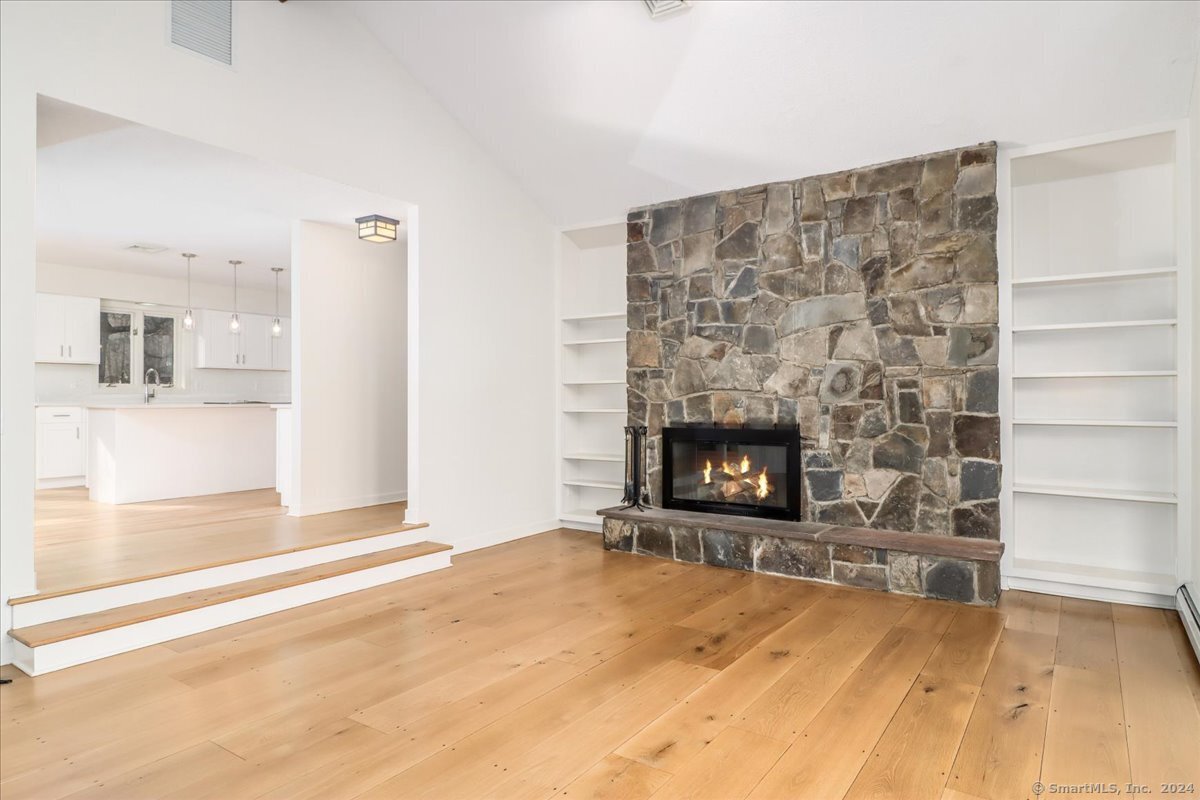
x: 61, y: 447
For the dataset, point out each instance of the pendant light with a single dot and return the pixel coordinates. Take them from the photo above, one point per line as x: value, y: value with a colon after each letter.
x: 276, y: 324
x: 189, y: 321
x: 235, y: 324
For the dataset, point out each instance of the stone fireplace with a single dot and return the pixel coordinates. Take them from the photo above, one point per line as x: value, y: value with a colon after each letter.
x: 857, y: 308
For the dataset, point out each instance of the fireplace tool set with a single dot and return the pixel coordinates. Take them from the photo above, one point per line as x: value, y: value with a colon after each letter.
x: 635, y: 467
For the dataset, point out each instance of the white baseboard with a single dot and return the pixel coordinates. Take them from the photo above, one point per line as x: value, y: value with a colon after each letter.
x: 61, y: 483
x: 327, y: 506
x: 492, y: 538
x: 590, y: 527
x: 60, y: 655
x: 1187, y: 615
x: 1101, y: 593
x: 71, y: 605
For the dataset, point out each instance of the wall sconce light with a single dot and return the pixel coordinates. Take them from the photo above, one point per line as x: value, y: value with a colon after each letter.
x: 377, y: 229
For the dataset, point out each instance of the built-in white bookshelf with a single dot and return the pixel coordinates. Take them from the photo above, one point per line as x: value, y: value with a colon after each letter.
x: 591, y: 370
x: 1095, y: 322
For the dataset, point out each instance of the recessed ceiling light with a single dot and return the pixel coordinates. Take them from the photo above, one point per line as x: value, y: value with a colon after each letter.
x: 146, y: 249
x: 660, y: 8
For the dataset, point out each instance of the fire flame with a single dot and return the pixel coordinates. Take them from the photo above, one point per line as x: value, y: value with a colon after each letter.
x: 738, y: 476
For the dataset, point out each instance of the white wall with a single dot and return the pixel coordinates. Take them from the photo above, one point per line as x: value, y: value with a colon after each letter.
x: 68, y: 384
x: 297, y: 97
x: 349, y: 439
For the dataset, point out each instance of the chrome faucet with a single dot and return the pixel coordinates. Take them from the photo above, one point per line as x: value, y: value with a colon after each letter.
x: 151, y: 391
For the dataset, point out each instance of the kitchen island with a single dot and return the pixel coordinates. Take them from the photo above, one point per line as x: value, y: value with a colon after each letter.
x: 163, y: 450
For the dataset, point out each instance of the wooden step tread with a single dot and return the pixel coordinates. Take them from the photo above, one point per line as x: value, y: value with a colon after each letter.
x: 279, y: 551
x: 74, y: 627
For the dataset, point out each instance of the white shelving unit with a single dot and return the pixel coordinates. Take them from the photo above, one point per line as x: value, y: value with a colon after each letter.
x: 1095, y: 322
x: 591, y: 371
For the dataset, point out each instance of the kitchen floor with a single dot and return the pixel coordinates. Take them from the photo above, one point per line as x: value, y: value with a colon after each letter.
x: 79, y: 543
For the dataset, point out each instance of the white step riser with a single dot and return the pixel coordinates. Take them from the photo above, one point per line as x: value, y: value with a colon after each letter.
x: 60, y: 655
x: 74, y: 605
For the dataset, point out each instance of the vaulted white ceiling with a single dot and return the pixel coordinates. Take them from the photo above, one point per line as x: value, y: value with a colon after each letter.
x: 595, y: 107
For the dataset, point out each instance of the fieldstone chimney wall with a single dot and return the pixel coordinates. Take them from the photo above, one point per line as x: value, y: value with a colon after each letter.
x: 860, y: 305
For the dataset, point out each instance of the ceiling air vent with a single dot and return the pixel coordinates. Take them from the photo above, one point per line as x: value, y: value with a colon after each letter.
x: 204, y: 27
x: 660, y: 8
x: 145, y: 249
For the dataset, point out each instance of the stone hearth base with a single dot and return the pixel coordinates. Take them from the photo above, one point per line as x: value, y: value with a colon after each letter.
x: 943, y: 567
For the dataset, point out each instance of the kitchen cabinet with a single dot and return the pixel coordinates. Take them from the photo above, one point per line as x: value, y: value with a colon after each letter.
x: 66, y: 329
x: 61, y: 447
x: 252, y: 347
x: 256, y: 341
x: 216, y: 346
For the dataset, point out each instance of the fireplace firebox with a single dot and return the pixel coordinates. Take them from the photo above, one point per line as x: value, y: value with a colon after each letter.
x: 750, y: 472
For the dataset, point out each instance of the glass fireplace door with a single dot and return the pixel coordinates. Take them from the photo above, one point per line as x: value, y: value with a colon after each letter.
x: 748, y: 472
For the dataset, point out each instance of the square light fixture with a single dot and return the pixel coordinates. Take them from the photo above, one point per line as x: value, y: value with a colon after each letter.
x: 661, y: 8
x: 377, y: 229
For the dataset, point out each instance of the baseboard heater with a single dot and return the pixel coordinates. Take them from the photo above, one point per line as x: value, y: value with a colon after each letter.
x: 1186, y: 604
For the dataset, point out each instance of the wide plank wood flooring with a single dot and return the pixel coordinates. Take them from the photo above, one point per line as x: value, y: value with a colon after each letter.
x: 78, y: 543
x: 549, y: 668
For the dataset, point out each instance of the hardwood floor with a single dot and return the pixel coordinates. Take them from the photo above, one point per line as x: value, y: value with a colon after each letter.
x: 78, y: 543
x: 548, y: 667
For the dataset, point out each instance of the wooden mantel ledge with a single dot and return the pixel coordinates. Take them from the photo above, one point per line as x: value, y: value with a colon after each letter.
x: 920, y: 543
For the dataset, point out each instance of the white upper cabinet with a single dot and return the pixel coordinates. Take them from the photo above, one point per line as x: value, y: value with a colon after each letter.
x: 256, y: 341
x: 216, y: 346
x: 48, y: 329
x: 66, y: 329
x: 252, y: 347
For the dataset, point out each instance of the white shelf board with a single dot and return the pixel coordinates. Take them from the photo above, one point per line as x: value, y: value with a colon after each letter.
x: 1094, y: 277
x: 1154, y: 373
x: 593, y: 411
x: 590, y: 317
x: 1130, y: 580
x: 1096, y: 493
x: 592, y: 484
x: 1101, y: 423
x: 581, y: 516
x: 580, y: 342
x: 617, y: 457
x: 607, y: 382
x: 1083, y: 326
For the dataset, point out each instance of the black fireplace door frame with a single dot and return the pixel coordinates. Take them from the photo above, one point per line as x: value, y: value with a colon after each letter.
x: 785, y: 437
